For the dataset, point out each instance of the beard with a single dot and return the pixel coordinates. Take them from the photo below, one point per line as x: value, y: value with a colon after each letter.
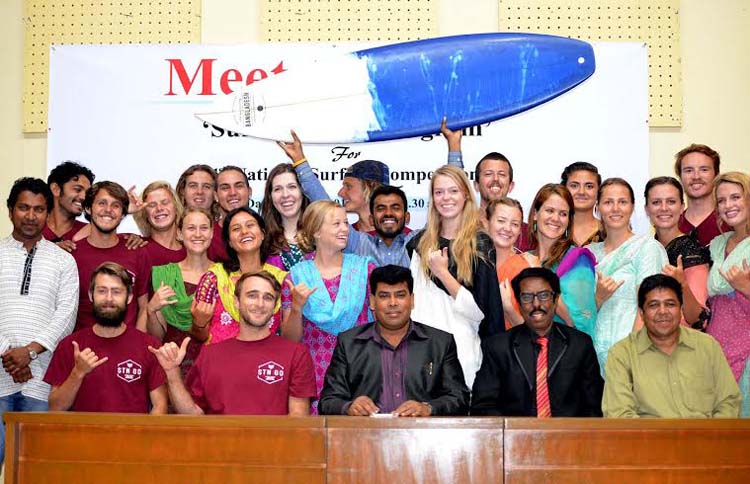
x: 392, y: 234
x: 110, y: 317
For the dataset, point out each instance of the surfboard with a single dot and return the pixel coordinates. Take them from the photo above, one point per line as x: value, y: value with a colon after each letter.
x: 405, y: 89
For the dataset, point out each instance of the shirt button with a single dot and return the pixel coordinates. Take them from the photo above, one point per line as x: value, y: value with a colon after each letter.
x: 398, y: 394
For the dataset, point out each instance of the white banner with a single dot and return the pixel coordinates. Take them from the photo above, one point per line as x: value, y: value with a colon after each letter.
x: 127, y: 112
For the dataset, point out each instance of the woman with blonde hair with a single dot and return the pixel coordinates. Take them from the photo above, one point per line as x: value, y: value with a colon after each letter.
x: 729, y: 278
x: 455, y: 286
x: 157, y: 221
x: 326, y: 295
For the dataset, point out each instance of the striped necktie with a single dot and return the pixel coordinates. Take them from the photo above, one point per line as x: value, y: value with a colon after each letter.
x: 542, y: 392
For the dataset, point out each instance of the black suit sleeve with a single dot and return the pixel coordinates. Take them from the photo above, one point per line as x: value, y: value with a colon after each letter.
x: 592, y: 384
x: 487, y: 383
x: 454, y: 394
x: 486, y: 292
x: 336, y: 392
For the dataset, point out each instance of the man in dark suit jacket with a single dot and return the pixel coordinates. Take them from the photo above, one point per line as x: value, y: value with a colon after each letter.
x: 568, y: 383
x: 394, y: 365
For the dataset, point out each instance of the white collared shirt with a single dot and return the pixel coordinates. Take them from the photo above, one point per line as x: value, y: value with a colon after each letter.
x: 38, y: 302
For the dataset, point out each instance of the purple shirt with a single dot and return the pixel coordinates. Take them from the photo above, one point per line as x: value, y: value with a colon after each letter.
x: 393, y: 366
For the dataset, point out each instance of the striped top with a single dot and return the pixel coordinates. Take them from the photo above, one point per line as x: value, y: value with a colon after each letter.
x: 38, y: 302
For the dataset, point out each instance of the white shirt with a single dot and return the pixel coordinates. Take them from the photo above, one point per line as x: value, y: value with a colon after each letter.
x: 38, y: 302
x: 460, y: 317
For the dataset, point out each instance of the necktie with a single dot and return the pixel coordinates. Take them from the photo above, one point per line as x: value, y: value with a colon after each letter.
x: 542, y: 392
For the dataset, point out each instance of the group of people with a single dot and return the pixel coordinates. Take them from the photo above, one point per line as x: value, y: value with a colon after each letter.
x: 216, y: 308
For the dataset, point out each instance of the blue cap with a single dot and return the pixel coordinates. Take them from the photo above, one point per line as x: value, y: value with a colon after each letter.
x: 372, y: 170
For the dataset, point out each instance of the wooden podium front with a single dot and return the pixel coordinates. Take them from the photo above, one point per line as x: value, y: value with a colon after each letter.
x: 119, y: 448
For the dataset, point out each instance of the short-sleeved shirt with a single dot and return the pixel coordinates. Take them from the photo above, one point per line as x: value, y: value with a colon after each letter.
x: 123, y: 383
x: 217, y: 251
x: 48, y: 234
x: 89, y: 257
x: 251, y: 377
x: 705, y: 231
x: 158, y: 255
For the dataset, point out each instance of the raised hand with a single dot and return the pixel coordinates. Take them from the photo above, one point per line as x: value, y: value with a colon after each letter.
x: 452, y: 137
x: 164, y: 296
x: 738, y: 278
x: 136, y: 204
x: 300, y: 294
x: 506, y: 296
x: 437, y: 261
x: 678, y: 272
x: 86, y: 361
x: 294, y: 149
x: 170, y: 355
x: 202, y: 312
x: 605, y: 287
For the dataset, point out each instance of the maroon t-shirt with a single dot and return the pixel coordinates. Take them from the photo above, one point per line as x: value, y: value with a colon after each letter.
x: 48, y: 234
x: 217, y: 252
x: 158, y: 255
x: 123, y: 383
x: 89, y: 257
x: 706, y: 230
x: 251, y: 377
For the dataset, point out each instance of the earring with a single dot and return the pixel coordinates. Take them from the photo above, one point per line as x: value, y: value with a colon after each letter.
x: 533, y: 227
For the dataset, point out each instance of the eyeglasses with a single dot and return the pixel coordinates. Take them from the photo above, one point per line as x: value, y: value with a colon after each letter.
x: 543, y: 296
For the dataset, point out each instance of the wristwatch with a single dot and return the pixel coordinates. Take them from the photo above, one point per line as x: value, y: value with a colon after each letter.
x: 33, y: 355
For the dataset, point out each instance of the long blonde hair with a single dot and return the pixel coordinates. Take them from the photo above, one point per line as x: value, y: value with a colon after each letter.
x: 464, y: 247
x: 312, y: 220
x: 738, y: 178
x: 141, y: 219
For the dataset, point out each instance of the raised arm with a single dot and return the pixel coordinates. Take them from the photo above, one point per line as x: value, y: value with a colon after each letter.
x: 453, y: 138
x: 62, y: 397
x: 170, y: 356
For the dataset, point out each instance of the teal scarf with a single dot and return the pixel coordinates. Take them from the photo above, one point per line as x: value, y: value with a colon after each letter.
x: 716, y: 283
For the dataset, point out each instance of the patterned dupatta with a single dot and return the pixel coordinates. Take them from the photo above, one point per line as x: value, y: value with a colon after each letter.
x: 225, y: 284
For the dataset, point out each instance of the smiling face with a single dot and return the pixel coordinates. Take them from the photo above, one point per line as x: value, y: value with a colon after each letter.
x: 106, y: 212
x: 661, y: 313
x: 334, y: 230
x: 732, y: 204
x: 256, y: 302
x: 352, y: 193
x: 552, y: 218
x: 392, y: 305
x: 447, y: 197
x: 537, y: 314
x: 583, y: 186
x: 664, y: 206
x: 245, y: 234
x: 233, y: 190
x: 615, y: 207
x: 389, y: 216
x: 286, y: 195
x: 160, y: 210
x: 494, y: 180
x: 72, y: 194
x: 29, y: 216
x: 110, y: 299
x: 505, y: 226
x: 696, y: 175
x: 199, y: 190
x: 196, y: 233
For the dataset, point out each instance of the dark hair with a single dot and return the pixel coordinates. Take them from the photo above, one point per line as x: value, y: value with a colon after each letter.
x: 494, y: 155
x: 391, y: 275
x: 580, y: 166
x: 663, y: 180
x: 658, y: 281
x: 66, y: 171
x: 615, y: 181
x: 112, y: 269
x: 233, y: 262
x: 232, y: 168
x: 275, y: 230
x: 265, y: 275
x: 696, y: 148
x: 33, y: 185
x: 114, y: 189
x: 388, y: 190
x: 541, y: 272
x: 561, y: 246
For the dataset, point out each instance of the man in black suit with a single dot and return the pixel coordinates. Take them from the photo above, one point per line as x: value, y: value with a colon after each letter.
x: 539, y: 368
x: 395, y: 365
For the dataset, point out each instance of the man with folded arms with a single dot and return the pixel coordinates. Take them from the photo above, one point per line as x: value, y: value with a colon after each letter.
x: 394, y: 366
x: 666, y: 370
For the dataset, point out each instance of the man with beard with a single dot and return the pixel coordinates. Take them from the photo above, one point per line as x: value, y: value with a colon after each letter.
x: 493, y: 178
x: 38, y: 300
x: 256, y: 373
x: 107, y: 367
x: 666, y: 370
x: 539, y: 368
x: 696, y: 166
x: 69, y: 183
x: 105, y: 206
x: 388, y: 212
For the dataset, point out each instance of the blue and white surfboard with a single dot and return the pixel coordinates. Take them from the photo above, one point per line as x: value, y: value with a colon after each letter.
x: 404, y: 90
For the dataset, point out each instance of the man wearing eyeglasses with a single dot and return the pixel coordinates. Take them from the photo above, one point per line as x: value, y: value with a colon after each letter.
x: 539, y: 368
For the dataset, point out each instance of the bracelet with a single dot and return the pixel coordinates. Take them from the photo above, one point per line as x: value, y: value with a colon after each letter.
x: 199, y: 326
x: 295, y: 164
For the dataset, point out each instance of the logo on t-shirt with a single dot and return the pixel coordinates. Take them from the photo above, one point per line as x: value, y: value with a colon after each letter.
x: 129, y: 371
x: 270, y: 372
